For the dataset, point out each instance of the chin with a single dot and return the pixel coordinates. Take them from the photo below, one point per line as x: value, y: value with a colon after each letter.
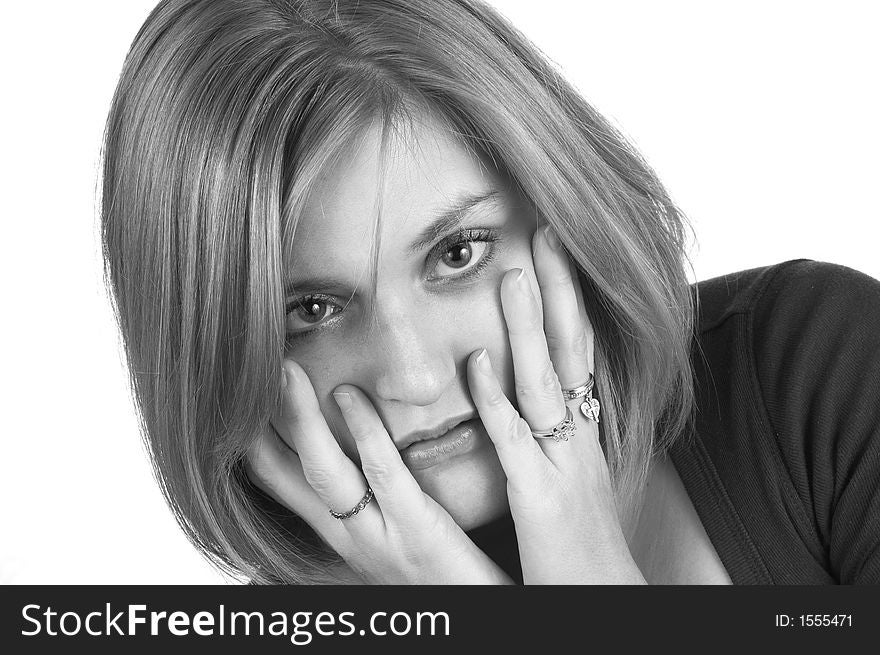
x: 472, y: 487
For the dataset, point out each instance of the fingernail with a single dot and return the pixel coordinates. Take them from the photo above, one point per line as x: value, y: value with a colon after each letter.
x: 551, y: 238
x: 283, y: 378
x: 522, y: 283
x: 483, y: 362
x: 343, y: 400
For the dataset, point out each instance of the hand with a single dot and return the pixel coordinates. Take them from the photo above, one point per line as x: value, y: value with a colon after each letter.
x: 403, y: 536
x: 560, y: 493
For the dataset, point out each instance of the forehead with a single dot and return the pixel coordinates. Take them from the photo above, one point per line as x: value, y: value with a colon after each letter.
x: 393, y: 187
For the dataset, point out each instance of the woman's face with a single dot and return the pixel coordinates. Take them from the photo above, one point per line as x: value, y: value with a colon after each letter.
x: 449, y: 230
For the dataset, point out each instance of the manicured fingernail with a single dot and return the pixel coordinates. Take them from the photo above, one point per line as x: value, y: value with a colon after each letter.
x: 483, y: 362
x: 551, y: 238
x: 522, y: 283
x: 343, y: 400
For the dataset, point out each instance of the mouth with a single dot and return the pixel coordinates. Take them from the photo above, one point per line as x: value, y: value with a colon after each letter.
x: 424, y: 449
x: 429, y: 434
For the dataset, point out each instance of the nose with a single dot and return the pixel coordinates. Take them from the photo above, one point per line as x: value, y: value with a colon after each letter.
x: 413, y: 362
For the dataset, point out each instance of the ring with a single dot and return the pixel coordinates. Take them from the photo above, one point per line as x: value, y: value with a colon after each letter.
x: 357, y: 508
x: 579, y: 391
x: 559, y: 432
x: 590, y: 407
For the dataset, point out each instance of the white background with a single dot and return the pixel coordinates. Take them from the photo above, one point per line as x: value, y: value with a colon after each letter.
x: 761, y: 118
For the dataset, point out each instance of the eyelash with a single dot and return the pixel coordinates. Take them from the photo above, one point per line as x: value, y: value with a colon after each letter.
x: 475, y: 235
x: 483, y: 235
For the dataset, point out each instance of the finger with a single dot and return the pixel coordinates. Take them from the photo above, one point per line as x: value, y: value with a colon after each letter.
x: 569, y: 335
x: 521, y: 457
x: 568, y: 331
x: 332, y: 475
x: 277, y: 471
x: 397, y: 491
x: 538, y: 393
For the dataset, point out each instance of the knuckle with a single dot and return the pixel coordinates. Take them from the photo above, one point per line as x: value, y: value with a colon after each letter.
x: 322, y: 478
x: 544, y: 387
x: 379, y: 473
x: 529, y: 324
x: 534, y: 322
x: 290, y: 412
x: 561, y: 278
x: 260, y: 478
x: 363, y: 429
x: 518, y: 429
x: 580, y: 344
x: 577, y: 344
x: 359, y: 432
x: 547, y: 379
x: 256, y: 471
x: 496, y: 399
x: 261, y: 464
x: 556, y: 341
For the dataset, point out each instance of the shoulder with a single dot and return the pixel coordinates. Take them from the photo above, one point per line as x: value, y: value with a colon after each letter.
x: 801, y: 342
x: 795, y: 290
x: 810, y: 330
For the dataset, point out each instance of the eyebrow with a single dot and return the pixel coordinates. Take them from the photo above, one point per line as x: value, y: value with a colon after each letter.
x: 451, y: 217
x: 445, y: 222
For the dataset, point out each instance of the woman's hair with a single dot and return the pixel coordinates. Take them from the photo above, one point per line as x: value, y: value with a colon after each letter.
x: 227, y: 112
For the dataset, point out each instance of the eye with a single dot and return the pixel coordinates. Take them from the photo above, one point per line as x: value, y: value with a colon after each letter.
x: 306, y: 313
x: 462, y: 254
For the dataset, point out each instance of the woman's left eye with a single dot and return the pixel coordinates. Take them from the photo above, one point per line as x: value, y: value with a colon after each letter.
x: 463, y: 254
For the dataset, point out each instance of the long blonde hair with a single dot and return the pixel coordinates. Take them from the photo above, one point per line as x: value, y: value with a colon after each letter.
x: 226, y: 112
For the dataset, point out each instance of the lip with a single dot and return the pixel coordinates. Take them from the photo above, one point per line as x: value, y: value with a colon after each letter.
x: 433, y: 433
x: 460, y: 439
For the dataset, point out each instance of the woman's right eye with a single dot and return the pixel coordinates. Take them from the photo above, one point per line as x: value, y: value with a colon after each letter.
x: 307, y: 313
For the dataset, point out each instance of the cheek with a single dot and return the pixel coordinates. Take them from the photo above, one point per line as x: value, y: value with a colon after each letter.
x: 325, y: 366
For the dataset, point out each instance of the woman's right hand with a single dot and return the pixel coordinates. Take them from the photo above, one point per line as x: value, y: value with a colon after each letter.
x: 403, y: 536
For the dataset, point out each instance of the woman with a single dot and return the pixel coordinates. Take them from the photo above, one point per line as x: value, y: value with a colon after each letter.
x: 399, y: 306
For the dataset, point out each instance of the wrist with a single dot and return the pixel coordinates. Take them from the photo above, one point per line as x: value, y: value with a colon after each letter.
x: 580, y: 559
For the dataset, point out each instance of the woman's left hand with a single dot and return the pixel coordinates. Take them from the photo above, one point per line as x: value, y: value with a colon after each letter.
x: 560, y: 493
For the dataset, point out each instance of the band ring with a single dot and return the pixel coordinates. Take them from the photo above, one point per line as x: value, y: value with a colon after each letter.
x: 590, y: 407
x: 368, y: 496
x: 580, y: 391
x: 559, y: 432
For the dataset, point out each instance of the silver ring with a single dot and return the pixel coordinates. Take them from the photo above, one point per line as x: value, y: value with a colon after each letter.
x: 579, y: 391
x: 559, y: 432
x: 357, y: 508
x: 590, y: 407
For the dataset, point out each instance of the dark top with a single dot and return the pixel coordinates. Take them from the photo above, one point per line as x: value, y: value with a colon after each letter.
x: 784, y: 468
